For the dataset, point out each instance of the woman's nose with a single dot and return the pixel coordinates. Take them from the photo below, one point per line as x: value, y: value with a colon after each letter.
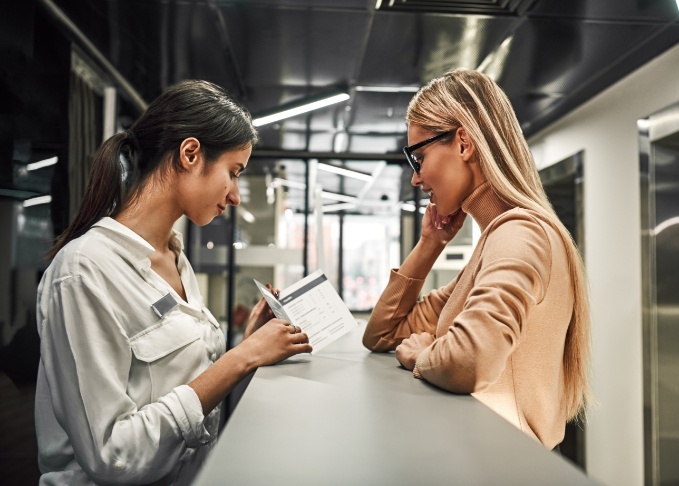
x: 415, y: 179
x: 233, y: 198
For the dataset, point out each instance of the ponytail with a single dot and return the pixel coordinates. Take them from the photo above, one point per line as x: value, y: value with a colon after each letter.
x: 126, y: 161
x: 114, y: 167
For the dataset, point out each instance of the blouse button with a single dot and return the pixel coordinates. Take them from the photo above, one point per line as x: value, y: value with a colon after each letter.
x: 213, y: 357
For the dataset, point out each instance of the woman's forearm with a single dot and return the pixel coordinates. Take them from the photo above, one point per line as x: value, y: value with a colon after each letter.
x: 215, y: 383
x: 421, y: 259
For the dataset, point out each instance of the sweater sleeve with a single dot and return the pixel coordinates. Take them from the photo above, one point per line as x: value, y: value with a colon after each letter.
x: 511, y: 279
x: 398, y: 313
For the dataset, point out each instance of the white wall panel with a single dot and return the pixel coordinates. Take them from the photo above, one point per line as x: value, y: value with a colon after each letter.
x: 605, y: 129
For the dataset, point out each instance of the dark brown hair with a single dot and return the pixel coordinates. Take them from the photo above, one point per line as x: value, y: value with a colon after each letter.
x: 124, y: 162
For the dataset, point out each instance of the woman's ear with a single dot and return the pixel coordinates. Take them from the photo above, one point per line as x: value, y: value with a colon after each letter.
x: 190, y: 153
x: 467, y: 148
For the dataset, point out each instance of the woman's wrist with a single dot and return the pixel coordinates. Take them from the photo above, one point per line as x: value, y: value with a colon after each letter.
x: 432, y: 244
x: 421, y: 259
x: 244, y: 361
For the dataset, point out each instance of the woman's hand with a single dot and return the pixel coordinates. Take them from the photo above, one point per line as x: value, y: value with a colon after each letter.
x: 439, y: 228
x: 274, y: 341
x: 409, y: 349
x: 261, y: 314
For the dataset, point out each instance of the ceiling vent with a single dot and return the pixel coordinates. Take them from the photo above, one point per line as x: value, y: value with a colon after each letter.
x: 475, y: 7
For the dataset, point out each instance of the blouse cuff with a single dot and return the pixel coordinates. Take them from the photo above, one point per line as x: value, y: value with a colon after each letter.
x: 188, y: 412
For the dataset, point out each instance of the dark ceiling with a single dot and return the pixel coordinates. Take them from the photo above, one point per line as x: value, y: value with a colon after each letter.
x: 548, y: 55
x: 267, y: 52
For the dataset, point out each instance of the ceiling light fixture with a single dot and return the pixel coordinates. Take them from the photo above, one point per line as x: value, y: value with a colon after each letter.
x: 410, y: 206
x: 298, y: 107
x: 277, y: 181
x: 42, y: 163
x: 338, y: 197
x: 390, y: 89
x: 246, y: 215
x: 37, y: 200
x: 344, y: 172
x: 329, y: 208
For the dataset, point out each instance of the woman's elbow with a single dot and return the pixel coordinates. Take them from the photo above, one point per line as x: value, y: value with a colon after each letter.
x: 463, y: 380
x: 377, y: 343
x: 370, y: 341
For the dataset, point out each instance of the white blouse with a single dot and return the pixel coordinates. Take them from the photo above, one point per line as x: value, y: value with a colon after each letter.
x: 112, y: 400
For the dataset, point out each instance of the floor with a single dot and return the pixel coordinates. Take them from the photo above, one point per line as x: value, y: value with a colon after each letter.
x: 18, y: 448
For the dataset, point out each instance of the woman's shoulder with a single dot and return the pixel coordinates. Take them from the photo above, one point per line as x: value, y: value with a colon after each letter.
x: 522, y: 234
x: 82, y: 255
x: 522, y: 219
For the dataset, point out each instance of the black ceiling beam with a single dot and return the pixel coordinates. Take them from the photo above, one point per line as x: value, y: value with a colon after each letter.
x: 303, y: 154
x: 72, y: 31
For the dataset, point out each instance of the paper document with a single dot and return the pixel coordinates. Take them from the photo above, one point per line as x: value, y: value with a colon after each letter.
x: 314, y: 305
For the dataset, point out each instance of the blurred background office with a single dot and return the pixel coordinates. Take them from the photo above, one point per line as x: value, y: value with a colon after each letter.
x: 595, y: 84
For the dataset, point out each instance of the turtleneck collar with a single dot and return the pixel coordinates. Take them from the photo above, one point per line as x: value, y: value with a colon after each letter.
x: 484, y: 205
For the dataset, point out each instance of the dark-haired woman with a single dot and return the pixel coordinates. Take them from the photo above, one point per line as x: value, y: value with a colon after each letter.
x: 133, y: 367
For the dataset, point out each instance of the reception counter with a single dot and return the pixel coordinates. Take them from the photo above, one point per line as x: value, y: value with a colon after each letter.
x: 350, y: 417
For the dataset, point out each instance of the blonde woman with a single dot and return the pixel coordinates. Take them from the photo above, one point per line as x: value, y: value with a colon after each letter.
x: 513, y: 327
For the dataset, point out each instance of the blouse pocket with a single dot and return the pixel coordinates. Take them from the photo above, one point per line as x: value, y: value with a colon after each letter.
x: 163, y: 340
x: 166, y: 357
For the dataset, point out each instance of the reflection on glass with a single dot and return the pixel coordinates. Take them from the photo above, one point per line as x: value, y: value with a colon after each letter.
x: 371, y: 249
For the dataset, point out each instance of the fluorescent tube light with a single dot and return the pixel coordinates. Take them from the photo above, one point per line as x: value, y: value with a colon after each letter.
x: 390, y: 89
x: 303, y: 106
x: 37, y: 200
x: 410, y: 205
x: 344, y: 172
x: 42, y: 163
x: 246, y: 215
x: 338, y: 197
x: 329, y: 208
x: 277, y: 181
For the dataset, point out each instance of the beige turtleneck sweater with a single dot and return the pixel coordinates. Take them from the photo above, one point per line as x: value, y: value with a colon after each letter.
x: 499, y: 326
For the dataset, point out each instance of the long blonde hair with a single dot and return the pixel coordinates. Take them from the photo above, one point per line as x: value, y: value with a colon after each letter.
x: 470, y: 99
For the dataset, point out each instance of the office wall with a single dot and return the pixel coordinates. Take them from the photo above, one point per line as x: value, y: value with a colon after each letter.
x: 605, y: 129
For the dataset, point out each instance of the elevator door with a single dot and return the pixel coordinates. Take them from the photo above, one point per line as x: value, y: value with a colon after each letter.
x: 659, y: 145
x: 563, y: 183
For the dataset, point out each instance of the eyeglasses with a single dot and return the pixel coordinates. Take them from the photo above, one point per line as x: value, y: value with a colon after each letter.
x: 412, y: 158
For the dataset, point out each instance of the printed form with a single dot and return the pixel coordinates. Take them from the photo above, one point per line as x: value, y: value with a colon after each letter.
x: 314, y: 305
